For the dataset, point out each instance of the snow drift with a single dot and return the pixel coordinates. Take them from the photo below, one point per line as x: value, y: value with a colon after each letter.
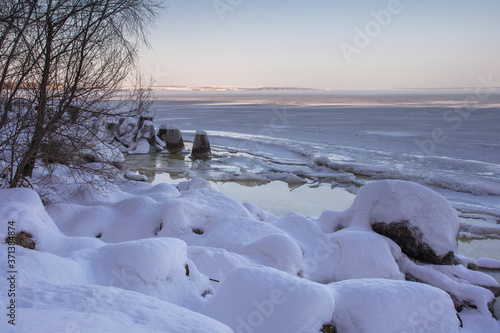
x: 190, y: 259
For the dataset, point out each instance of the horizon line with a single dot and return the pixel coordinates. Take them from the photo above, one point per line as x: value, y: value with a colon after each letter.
x: 284, y: 88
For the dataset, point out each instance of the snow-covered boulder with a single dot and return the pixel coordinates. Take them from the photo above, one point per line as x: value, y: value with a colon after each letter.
x: 141, y: 147
x: 103, y: 152
x: 205, y: 217
x: 193, y: 184
x: 216, y: 263
x: 157, y: 267
x: 387, y: 306
x: 468, y: 289
x: 359, y: 254
x: 422, y: 222
x: 261, y: 299
x: 351, y: 253
x: 147, y: 130
x: 127, y: 174
x: 22, y: 213
x: 137, y: 136
x: 277, y: 251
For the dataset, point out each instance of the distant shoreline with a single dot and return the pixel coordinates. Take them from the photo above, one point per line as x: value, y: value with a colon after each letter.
x: 230, y: 88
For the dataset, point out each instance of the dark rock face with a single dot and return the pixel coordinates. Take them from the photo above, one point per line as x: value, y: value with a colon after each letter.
x: 494, y: 289
x: 411, y: 243
x: 328, y: 328
x: 201, y: 146
x: 23, y: 239
x: 144, y: 118
x: 162, y: 134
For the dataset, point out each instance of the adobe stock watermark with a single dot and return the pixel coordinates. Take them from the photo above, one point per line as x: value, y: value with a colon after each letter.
x: 158, y: 73
x: 455, y: 116
x: 422, y: 317
x: 277, y: 123
x: 453, y: 119
x: 371, y: 30
x: 222, y: 7
x: 263, y: 309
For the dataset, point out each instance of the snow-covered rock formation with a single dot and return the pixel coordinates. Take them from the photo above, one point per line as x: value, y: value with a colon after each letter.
x: 189, y: 259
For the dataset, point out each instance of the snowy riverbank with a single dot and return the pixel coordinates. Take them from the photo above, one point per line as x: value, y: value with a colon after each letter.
x: 163, y: 258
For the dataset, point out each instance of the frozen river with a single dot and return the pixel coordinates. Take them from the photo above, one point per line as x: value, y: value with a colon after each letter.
x: 308, y: 151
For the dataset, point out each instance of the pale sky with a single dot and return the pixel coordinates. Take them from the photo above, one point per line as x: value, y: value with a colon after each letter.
x: 327, y: 44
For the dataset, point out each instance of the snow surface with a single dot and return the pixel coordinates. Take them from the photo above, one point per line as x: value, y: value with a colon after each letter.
x: 137, y: 257
x: 382, y: 306
x: 266, y: 300
x: 488, y: 263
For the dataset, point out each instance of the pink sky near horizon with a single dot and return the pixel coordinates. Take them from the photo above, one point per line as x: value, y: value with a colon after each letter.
x: 326, y: 44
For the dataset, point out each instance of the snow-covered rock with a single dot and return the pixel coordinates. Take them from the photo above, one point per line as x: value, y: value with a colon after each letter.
x: 141, y: 147
x: 359, y: 254
x: 193, y: 184
x: 98, y: 251
x: 455, y: 282
x: 418, y: 219
x: 147, y: 131
x: 26, y: 213
x: 261, y: 299
x: 488, y: 263
x: 155, y: 267
x: 134, y: 176
x: 277, y: 251
x: 387, y: 306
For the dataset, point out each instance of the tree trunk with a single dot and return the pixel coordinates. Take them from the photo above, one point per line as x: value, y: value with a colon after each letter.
x: 27, y: 164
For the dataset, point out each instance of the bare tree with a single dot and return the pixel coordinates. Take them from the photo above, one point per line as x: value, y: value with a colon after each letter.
x: 63, y: 64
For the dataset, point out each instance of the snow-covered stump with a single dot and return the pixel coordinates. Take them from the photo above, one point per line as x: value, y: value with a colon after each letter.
x: 201, y: 146
x: 173, y: 139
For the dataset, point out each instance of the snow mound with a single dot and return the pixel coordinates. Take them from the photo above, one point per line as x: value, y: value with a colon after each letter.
x: 216, y: 263
x: 359, y: 254
x: 261, y: 299
x: 193, y: 184
x: 128, y: 219
x: 465, y: 287
x: 387, y: 306
x: 205, y: 217
x: 49, y: 308
x: 24, y: 209
x: 199, y: 208
x: 351, y: 253
x: 258, y: 213
x: 155, y: 267
x: 277, y: 251
x: 421, y: 221
x: 127, y: 261
x: 488, y: 263
x: 134, y: 176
